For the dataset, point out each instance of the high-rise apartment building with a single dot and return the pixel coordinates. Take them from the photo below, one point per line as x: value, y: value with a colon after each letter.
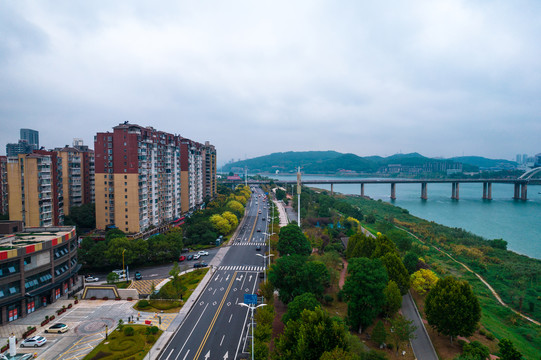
x: 145, y: 177
x: 88, y: 170
x: 35, y: 192
x: 31, y: 137
x: 209, y: 171
x: 21, y: 147
x: 3, y: 185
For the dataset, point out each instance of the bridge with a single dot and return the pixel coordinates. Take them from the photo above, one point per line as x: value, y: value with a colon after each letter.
x: 520, y: 184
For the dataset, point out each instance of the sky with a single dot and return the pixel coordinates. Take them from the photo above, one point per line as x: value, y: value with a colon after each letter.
x: 442, y: 78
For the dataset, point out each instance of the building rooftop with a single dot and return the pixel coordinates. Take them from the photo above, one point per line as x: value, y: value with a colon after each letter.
x: 34, y: 236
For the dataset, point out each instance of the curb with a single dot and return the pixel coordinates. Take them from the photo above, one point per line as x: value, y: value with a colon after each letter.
x: 424, y: 328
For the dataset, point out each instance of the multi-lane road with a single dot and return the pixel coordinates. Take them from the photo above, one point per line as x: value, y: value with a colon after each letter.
x: 217, y: 327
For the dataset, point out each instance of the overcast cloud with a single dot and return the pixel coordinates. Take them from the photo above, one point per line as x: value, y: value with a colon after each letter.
x: 442, y: 78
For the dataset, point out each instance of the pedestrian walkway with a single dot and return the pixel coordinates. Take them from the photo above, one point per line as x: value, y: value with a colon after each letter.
x: 145, y: 286
x: 245, y: 243
x: 282, y: 215
x: 242, y: 268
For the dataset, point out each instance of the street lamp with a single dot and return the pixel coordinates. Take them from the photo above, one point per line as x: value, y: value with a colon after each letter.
x: 265, y: 257
x: 251, y: 307
x: 269, y: 235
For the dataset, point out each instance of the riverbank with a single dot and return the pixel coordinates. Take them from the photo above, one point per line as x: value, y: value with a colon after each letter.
x: 516, y: 278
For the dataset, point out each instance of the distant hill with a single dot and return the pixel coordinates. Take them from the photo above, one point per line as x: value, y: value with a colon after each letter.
x: 483, y: 162
x: 331, y: 162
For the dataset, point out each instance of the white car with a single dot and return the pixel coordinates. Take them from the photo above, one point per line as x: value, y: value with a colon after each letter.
x: 203, y: 253
x: 196, y: 256
x: 34, y: 341
x: 91, y: 279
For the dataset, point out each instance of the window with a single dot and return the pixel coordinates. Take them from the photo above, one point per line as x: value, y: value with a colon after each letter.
x: 125, y: 183
x: 125, y: 196
x: 126, y: 223
x: 125, y: 176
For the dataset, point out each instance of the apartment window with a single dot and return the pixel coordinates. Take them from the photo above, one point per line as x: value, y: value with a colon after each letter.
x: 126, y: 210
x: 126, y: 223
x: 126, y: 203
x: 125, y: 176
x: 125, y: 183
x: 125, y: 190
x: 105, y: 182
x: 125, y: 196
x: 106, y: 208
x: 126, y: 216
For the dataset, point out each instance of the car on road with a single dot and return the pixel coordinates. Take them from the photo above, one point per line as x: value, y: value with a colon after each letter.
x: 258, y: 248
x: 259, y: 211
x: 263, y: 219
x: 138, y: 276
x: 57, y: 328
x: 91, y: 279
x: 203, y: 253
x: 261, y: 275
x: 182, y: 258
x: 200, y: 265
x: 190, y: 257
x: 196, y: 256
x: 34, y: 341
x: 258, y: 230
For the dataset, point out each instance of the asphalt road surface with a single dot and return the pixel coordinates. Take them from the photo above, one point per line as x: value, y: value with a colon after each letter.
x: 217, y: 327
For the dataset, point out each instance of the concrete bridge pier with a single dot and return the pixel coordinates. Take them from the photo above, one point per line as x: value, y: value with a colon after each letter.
x: 487, y: 190
x: 332, y: 189
x: 362, y: 189
x: 524, y: 192
x: 455, y: 191
x: 393, y: 191
x: 424, y: 195
x: 521, y: 191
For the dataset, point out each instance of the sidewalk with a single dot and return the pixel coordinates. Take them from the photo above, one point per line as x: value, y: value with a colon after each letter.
x: 281, y: 213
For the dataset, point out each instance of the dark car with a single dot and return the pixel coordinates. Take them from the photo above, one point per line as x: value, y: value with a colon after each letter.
x: 182, y: 258
x: 200, y: 265
x: 138, y: 276
x: 190, y: 257
x: 258, y: 248
x: 258, y: 230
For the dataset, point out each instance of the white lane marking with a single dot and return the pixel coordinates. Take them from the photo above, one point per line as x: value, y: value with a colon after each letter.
x: 231, y: 317
x: 185, y: 356
x: 223, y: 337
x: 190, y: 334
x: 167, y: 358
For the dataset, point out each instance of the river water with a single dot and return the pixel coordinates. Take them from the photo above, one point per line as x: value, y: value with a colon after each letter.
x: 517, y: 222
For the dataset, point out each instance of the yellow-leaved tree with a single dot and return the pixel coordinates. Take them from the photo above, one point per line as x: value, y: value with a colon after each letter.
x: 221, y: 224
x: 231, y: 218
x: 423, y: 281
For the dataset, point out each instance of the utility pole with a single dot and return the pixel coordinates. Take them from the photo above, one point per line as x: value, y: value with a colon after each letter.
x: 299, y: 196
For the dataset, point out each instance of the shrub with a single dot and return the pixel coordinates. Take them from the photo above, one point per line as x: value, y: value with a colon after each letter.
x: 490, y: 337
x: 51, y: 318
x: 143, y: 303
x: 328, y: 299
x: 129, y: 331
x: 150, y: 339
x: 93, y: 298
x: 129, y: 298
x: 105, y: 298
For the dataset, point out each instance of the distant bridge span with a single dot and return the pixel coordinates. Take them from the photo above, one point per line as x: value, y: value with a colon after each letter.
x: 520, y: 184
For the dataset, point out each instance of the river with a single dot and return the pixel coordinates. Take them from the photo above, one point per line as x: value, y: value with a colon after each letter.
x: 517, y: 222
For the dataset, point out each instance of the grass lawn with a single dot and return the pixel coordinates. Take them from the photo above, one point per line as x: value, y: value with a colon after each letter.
x: 120, y: 346
x: 189, y: 280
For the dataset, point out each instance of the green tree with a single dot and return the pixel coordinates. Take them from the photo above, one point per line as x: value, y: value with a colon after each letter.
x: 508, y: 351
x: 236, y: 207
x: 291, y: 241
x: 393, y: 298
x: 113, y: 233
x: 315, y: 278
x: 452, y: 308
x: 410, y: 262
x: 112, y: 278
x: 401, y: 239
x: 397, y: 271
x: 300, y: 302
x: 220, y: 224
x: 363, y: 290
x: 314, y: 333
x: 403, y: 331
x: 280, y: 194
x: 384, y: 246
x: 83, y: 216
x: 379, y: 335
x: 423, y: 281
x: 176, y: 283
x: 285, y: 275
x: 475, y: 351
x: 338, y: 354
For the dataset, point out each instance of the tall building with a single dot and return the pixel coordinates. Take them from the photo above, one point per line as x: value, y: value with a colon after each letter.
x: 35, y: 193
x: 21, y: 147
x: 3, y: 185
x: 145, y: 177
x: 88, y: 167
x: 519, y: 159
x: 31, y: 137
x: 37, y: 266
x: 209, y: 171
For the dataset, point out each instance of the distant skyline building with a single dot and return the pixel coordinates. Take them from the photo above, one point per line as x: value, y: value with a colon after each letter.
x: 3, y: 185
x: 21, y: 147
x: 31, y: 137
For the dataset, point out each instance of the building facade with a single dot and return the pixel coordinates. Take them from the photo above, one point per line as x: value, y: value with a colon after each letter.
x: 35, y: 192
x: 209, y: 171
x: 21, y: 147
x: 145, y: 177
x: 31, y: 137
x: 3, y: 185
x: 37, y: 267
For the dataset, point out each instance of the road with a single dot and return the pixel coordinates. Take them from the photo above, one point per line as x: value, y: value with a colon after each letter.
x: 217, y: 326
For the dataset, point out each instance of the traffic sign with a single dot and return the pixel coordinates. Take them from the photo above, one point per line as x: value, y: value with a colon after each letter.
x: 250, y: 299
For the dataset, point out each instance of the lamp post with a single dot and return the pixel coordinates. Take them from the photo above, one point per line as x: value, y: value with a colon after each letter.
x: 251, y: 307
x: 265, y: 257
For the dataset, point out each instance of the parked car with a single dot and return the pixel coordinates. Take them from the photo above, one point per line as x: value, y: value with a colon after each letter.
x: 203, y: 253
x: 91, y: 279
x: 57, y: 328
x: 200, y: 265
x: 138, y: 276
x: 34, y: 341
x: 190, y: 257
x: 182, y: 258
x: 196, y: 256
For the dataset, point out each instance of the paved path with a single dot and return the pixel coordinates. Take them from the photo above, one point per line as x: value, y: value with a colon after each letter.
x: 421, y: 345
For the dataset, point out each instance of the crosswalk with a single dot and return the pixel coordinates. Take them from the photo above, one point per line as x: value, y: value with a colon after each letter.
x: 242, y: 268
x: 248, y: 243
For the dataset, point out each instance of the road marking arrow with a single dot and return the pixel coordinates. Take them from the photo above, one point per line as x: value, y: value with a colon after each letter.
x: 207, y: 356
x: 250, y: 278
x: 227, y: 278
x: 226, y: 356
x: 240, y: 278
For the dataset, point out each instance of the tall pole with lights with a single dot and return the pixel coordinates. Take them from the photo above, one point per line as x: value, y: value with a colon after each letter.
x: 299, y: 196
x: 252, y: 308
